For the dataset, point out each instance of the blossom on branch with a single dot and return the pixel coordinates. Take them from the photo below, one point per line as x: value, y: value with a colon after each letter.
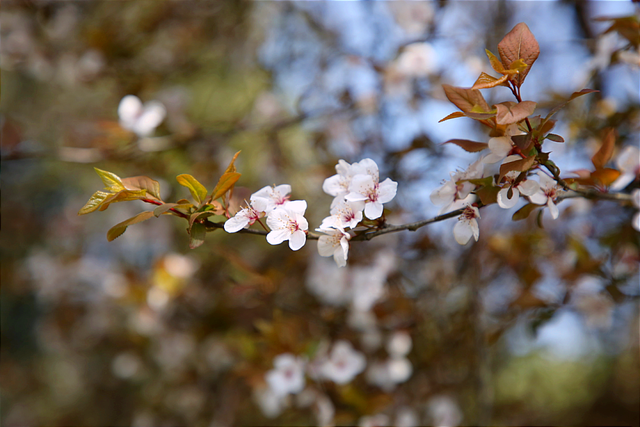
x: 269, y: 198
x: 458, y: 187
x: 243, y: 219
x: 288, y: 223
x: 365, y: 188
x: 499, y: 147
x: 527, y: 187
x: 335, y: 242
x: 547, y: 194
x: 467, y: 225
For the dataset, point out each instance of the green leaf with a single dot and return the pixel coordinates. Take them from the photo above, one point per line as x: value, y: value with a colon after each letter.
x: 143, y: 183
x: 198, y: 233
x: 524, y: 211
x: 487, y: 181
x: 112, y: 182
x: 198, y: 191
x: 123, y: 196
x: 117, y: 230
x: 555, y: 138
x: 94, y: 202
x: 226, y: 182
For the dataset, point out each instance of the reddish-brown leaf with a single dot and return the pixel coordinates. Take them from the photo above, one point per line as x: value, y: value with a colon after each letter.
x: 518, y: 166
x: 519, y: 43
x: 512, y: 112
x: 468, y: 145
x: 605, y: 176
x: 454, y: 115
x: 524, y: 212
x: 603, y: 155
x: 143, y: 183
x: 465, y: 99
x: 225, y: 183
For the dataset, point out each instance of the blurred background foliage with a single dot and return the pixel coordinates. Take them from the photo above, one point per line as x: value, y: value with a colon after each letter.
x: 527, y: 326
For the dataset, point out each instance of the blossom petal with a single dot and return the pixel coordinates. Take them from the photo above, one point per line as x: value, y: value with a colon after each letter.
x: 152, y: 115
x: 503, y: 198
x: 326, y: 245
x: 553, y: 209
x: 462, y: 232
x: 238, y: 222
x: 373, y: 210
x: 444, y: 195
x: 529, y: 187
x: 129, y: 109
x: 297, y: 240
x: 297, y: 206
x: 276, y: 237
x: 387, y: 190
x: 623, y: 180
x: 539, y: 198
x: 335, y: 185
x: 500, y: 146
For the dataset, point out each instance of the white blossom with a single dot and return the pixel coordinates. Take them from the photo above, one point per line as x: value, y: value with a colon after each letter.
x: 288, y: 223
x: 527, y: 187
x: 243, y: 219
x: 140, y: 119
x: 467, y: 225
x: 269, y: 198
x: 338, y: 185
x: 547, y: 194
x: 364, y: 188
x: 457, y: 188
x: 288, y: 375
x: 344, y: 214
x: 499, y: 147
x: 343, y: 363
x: 628, y: 161
x: 335, y: 242
x: 444, y: 412
x: 417, y: 60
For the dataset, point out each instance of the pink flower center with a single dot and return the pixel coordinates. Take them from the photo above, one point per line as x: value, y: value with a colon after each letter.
x: 468, y: 214
x: 373, y: 193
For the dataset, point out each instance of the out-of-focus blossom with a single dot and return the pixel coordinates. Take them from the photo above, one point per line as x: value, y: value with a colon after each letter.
x: 378, y: 420
x: 330, y: 285
x: 635, y: 199
x: 269, y: 198
x: 457, y: 188
x: 334, y: 242
x: 406, y: 417
x: 288, y: 223
x: 443, y: 412
x: 269, y: 402
x: 413, y: 17
x: 467, y: 225
x: 628, y: 161
x: 288, y: 375
x: 368, y: 287
x: 343, y: 363
x: 547, y: 194
x: 399, y: 344
x: 138, y: 118
x: 417, y: 60
x: 322, y: 406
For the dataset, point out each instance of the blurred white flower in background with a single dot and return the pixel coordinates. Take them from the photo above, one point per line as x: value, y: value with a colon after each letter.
x: 395, y: 370
x: 288, y: 375
x: 138, y: 118
x: 417, y: 60
x: 628, y: 161
x: 443, y: 412
x: 343, y: 363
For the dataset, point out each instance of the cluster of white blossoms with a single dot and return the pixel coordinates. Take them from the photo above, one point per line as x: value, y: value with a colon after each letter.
x: 356, y: 189
x: 340, y: 365
x: 456, y: 193
x: 285, y: 217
